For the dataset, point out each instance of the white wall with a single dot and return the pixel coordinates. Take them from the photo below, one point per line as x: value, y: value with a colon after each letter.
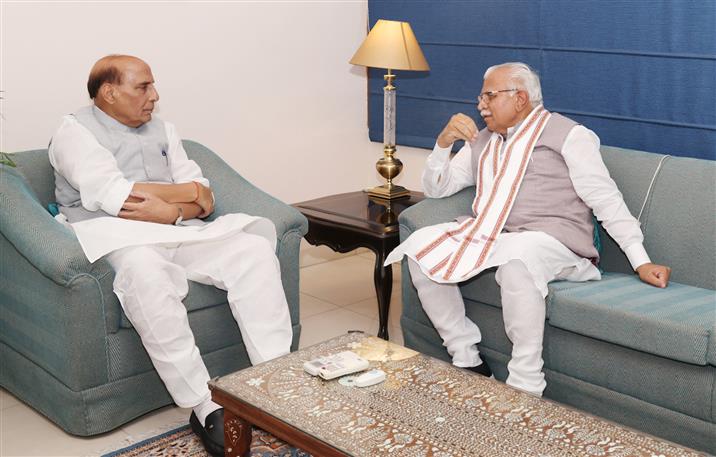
x: 267, y: 85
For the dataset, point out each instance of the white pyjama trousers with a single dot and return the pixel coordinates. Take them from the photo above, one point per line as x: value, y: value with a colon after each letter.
x: 527, y: 262
x: 151, y: 282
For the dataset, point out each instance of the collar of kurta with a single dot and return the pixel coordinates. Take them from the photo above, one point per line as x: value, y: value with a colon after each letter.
x: 110, y: 122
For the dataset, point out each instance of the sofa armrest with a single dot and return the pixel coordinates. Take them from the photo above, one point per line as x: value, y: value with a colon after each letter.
x: 433, y: 211
x: 49, y: 246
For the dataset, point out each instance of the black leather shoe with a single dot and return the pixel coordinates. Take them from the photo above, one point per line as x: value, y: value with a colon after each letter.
x: 482, y: 369
x: 211, y: 434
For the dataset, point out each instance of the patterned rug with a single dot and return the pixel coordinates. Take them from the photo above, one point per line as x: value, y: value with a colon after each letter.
x: 183, y: 442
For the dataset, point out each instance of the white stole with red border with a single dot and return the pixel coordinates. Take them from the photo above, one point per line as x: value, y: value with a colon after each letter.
x: 460, y: 251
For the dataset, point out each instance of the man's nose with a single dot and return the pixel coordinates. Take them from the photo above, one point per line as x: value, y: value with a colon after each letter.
x: 481, y: 104
x: 154, y: 96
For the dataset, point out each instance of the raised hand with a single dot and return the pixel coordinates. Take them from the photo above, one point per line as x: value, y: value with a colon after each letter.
x: 460, y: 127
x: 656, y: 275
x: 142, y: 206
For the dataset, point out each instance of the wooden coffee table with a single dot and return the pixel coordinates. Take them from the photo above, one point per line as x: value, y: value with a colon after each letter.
x: 348, y: 221
x: 426, y: 407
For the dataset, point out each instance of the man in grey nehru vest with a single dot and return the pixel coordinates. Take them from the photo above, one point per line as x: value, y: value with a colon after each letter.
x: 124, y: 182
x: 539, y: 177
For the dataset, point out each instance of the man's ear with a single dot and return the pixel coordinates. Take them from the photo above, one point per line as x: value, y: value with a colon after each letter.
x: 522, y: 100
x: 107, y: 93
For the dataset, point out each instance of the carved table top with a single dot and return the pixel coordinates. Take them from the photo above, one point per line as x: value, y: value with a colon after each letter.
x: 427, y: 407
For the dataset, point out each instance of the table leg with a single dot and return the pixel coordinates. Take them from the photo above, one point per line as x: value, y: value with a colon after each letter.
x: 383, y: 279
x: 237, y: 436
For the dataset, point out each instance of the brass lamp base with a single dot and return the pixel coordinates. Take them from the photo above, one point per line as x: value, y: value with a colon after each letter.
x: 389, y: 167
x: 389, y: 192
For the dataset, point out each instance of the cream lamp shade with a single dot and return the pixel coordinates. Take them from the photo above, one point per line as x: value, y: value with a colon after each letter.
x: 391, y: 45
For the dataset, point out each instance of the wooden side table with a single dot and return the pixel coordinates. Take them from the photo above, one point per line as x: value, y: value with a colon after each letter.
x: 345, y: 222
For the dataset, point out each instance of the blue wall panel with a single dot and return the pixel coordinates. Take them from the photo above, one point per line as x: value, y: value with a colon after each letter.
x: 641, y: 74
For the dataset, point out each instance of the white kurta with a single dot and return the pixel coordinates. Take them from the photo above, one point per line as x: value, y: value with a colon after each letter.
x: 90, y: 168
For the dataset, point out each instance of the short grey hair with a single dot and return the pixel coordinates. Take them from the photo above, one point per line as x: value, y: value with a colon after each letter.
x: 524, y: 78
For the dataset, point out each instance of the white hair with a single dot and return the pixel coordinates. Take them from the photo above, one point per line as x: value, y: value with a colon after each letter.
x: 524, y: 78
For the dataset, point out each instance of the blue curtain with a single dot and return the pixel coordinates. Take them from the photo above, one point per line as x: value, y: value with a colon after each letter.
x: 640, y: 73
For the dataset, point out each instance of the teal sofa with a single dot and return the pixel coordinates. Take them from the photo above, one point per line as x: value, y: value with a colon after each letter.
x: 618, y: 348
x: 66, y: 348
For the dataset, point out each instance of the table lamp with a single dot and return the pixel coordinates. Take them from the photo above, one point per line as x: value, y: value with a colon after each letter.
x: 393, y: 46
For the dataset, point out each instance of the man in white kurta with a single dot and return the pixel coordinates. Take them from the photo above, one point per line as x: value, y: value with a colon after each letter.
x: 125, y: 184
x: 538, y: 177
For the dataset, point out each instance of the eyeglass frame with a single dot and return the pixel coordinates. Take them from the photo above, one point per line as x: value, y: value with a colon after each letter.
x: 491, y: 94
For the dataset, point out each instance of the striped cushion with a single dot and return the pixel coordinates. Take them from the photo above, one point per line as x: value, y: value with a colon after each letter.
x: 675, y: 322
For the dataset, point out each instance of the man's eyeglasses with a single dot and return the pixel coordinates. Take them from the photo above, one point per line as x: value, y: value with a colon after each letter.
x: 488, y: 96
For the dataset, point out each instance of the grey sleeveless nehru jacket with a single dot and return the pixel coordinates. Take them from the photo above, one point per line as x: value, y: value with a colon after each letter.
x: 141, y: 155
x: 547, y: 201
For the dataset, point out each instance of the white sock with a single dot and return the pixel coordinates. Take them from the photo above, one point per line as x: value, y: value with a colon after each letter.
x: 203, y: 409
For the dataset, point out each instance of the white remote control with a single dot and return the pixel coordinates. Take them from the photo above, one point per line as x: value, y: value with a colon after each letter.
x: 336, y: 365
x: 369, y: 378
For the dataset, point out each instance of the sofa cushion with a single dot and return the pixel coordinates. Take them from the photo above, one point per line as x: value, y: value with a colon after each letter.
x: 482, y: 288
x: 678, y: 322
x: 675, y: 322
x: 711, y: 354
x: 200, y: 296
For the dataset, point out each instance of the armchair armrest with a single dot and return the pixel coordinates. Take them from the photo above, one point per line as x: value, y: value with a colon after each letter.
x: 243, y: 197
x: 234, y: 194
x: 49, y: 246
x: 433, y: 211
x: 52, y: 300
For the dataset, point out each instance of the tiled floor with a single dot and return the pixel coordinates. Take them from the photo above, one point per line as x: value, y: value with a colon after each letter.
x: 337, y: 295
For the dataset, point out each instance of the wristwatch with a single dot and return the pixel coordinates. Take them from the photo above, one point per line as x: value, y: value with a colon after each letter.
x: 180, y: 217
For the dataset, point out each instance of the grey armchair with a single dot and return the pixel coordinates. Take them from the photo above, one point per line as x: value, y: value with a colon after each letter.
x: 66, y: 348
